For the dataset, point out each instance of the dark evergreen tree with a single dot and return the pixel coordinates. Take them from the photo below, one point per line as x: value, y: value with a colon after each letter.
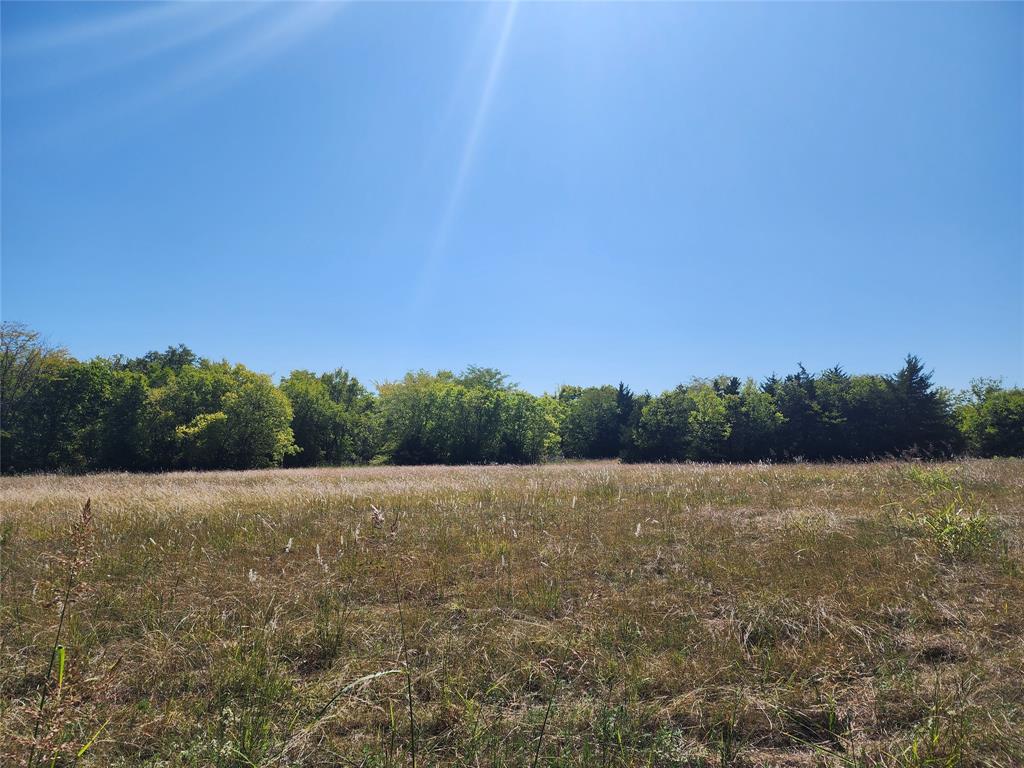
x: 800, y: 434
x: 726, y: 385
x: 869, y: 428
x: 629, y: 448
x: 625, y: 404
x: 831, y: 392
x: 923, y: 415
x: 593, y: 423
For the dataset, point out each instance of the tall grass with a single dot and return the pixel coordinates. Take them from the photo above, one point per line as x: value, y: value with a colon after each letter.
x: 563, y: 615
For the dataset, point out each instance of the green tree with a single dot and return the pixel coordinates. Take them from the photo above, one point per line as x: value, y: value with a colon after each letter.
x: 525, y: 428
x: 126, y: 436
x: 870, y: 404
x: 158, y: 367
x: 485, y: 378
x: 187, y: 394
x: 707, y: 424
x: 173, y: 410
x: 923, y: 418
x: 201, y: 442
x: 754, y: 422
x: 257, y: 428
x: 216, y: 415
x: 405, y: 423
x: 992, y: 420
x: 592, y: 425
x: 801, y: 433
x: 59, y: 421
x: 663, y: 432
x: 314, y: 418
x: 629, y: 440
x: 435, y: 418
x: 554, y: 412
x: 331, y: 418
x: 25, y: 362
x: 832, y: 395
x: 568, y: 392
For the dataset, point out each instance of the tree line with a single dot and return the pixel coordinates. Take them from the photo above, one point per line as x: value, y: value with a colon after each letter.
x: 175, y: 410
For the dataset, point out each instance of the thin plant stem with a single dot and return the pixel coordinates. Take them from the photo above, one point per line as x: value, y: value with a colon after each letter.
x: 408, y: 673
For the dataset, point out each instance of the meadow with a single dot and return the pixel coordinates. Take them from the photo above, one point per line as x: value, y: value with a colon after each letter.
x: 569, y: 614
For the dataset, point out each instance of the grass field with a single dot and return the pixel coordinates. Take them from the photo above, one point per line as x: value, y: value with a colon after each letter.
x: 574, y: 615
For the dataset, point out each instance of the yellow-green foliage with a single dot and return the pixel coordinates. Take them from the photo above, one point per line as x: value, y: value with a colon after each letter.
x: 949, y: 515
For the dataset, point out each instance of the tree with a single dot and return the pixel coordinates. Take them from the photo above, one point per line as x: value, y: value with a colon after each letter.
x: 593, y: 424
x: 215, y: 415
x: 24, y: 358
x: 202, y: 441
x: 435, y: 418
x: 832, y: 394
x: 625, y: 406
x: 869, y: 408
x: 568, y: 392
x: 526, y: 428
x: 755, y: 424
x: 59, y: 421
x: 126, y: 435
x: 314, y: 418
x: 923, y: 416
x: 707, y: 423
x: 629, y: 441
x: 201, y: 389
x: 331, y: 418
x: 257, y: 427
x: 485, y: 378
x: 800, y: 434
x: 159, y: 367
x: 663, y: 433
x: 404, y: 407
x: 554, y: 412
x: 992, y: 419
x: 726, y: 385
x: 189, y: 393
x: 173, y: 410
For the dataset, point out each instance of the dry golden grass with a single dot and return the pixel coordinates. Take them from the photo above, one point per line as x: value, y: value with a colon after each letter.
x: 571, y: 615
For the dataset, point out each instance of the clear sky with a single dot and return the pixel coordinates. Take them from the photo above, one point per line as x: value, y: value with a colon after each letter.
x: 575, y: 193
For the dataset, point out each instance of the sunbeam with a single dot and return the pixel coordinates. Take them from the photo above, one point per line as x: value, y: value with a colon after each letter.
x: 242, y: 40
x: 436, y: 253
x: 133, y: 22
x: 163, y: 34
x: 250, y: 50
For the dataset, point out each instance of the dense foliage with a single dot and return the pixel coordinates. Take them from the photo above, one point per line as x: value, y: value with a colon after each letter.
x: 173, y: 410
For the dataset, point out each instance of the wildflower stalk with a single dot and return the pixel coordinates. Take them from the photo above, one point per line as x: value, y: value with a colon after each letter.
x: 551, y: 701
x: 408, y: 673
x: 56, y: 648
x: 43, y: 694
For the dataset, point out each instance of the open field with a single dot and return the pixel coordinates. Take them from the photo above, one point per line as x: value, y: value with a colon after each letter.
x: 571, y: 615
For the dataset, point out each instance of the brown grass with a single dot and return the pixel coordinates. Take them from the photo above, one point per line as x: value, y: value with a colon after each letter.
x: 849, y: 614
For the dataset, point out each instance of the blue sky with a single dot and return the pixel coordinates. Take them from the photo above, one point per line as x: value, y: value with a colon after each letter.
x: 574, y: 193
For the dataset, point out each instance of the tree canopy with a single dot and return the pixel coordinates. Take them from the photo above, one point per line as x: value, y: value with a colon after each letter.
x: 176, y: 410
